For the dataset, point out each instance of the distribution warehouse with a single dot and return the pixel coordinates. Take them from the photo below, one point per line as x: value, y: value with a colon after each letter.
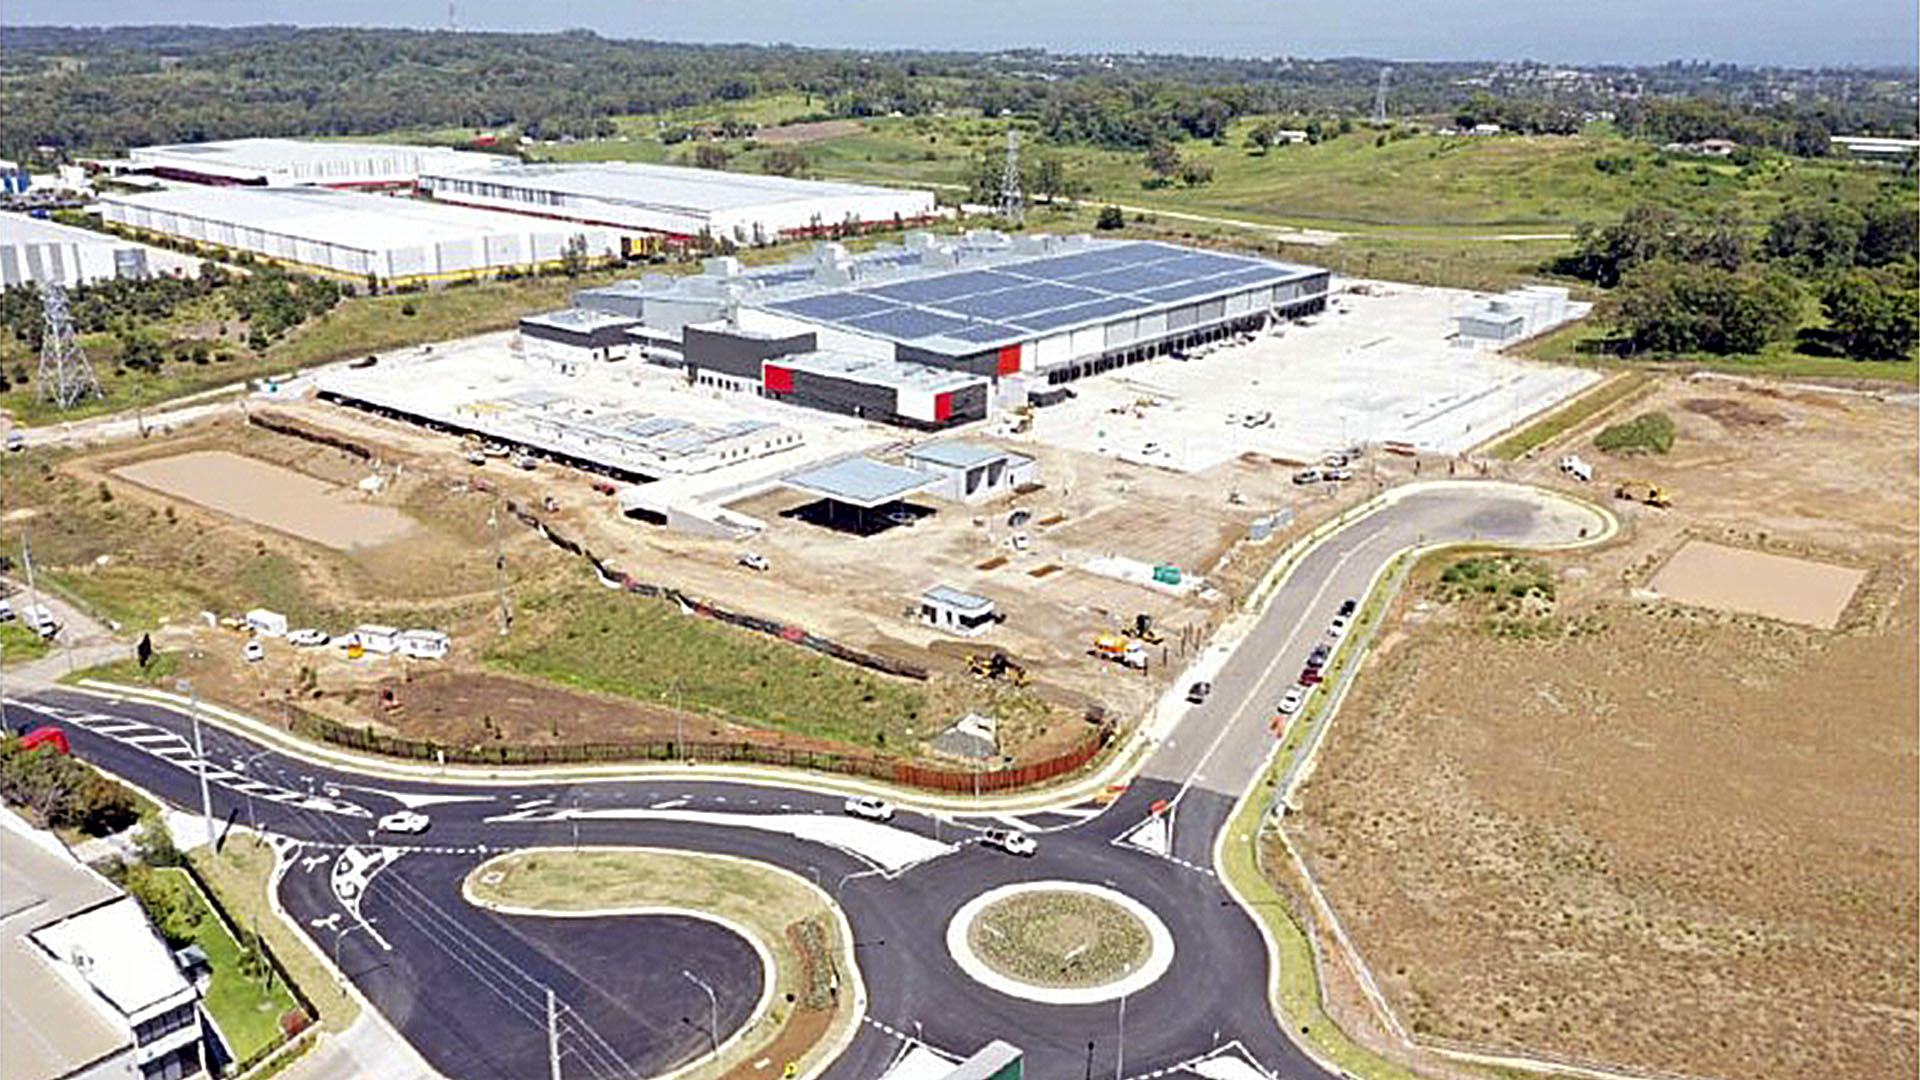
x: 292, y: 162
x: 34, y: 250
x: 745, y: 208
x: 343, y: 232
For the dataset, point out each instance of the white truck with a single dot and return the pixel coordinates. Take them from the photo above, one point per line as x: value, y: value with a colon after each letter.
x: 1577, y: 467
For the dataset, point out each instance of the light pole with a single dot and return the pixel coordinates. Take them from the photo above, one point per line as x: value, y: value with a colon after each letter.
x: 713, y: 1011
x: 1120, y: 1052
x: 200, y: 754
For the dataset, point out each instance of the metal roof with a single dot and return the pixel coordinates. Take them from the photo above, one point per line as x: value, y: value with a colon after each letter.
x: 859, y: 481
x: 954, y: 598
x: 578, y: 320
x: 21, y: 229
x: 957, y: 453
x: 876, y: 371
x: 673, y: 187
x: 315, y: 161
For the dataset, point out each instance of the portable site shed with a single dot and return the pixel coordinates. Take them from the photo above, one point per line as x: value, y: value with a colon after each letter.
x: 267, y: 623
x: 424, y: 644
x: 376, y: 639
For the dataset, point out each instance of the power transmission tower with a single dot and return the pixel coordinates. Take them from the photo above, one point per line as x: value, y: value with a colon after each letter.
x: 1380, y: 97
x: 1011, y: 203
x: 65, y: 376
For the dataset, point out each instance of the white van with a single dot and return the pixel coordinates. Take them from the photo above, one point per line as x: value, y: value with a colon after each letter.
x: 424, y: 644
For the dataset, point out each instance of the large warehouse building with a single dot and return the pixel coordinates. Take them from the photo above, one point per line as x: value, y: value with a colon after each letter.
x: 681, y: 202
x: 401, y: 241
x: 295, y: 162
x: 43, y: 251
x: 919, y: 334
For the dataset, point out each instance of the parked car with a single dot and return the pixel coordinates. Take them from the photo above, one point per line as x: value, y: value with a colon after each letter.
x: 1307, y: 476
x: 524, y: 461
x: 6, y: 611
x: 307, y: 638
x: 1011, y: 841
x: 1290, y: 701
x: 753, y: 562
x: 255, y: 652
x: 1577, y: 467
x: 405, y: 821
x: 1310, y: 676
x: 866, y: 806
x: 1348, y: 607
x: 1337, y: 629
x: 16, y: 441
x: 1334, y: 461
x: 1318, y: 657
x: 1332, y: 476
x: 605, y: 487
x: 1198, y: 692
x: 476, y: 456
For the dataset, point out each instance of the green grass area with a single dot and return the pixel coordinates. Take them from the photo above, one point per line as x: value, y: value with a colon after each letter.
x: 123, y: 390
x: 647, y: 649
x: 19, y: 644
x: 760, y: 900
x: 1570, y: 415
x: 1585, y: 342
x: 367, y: 324
x: 1648, y: 433
x: 1059, y: 938
x: 162, y: 671
x: 241, y: 874
x: 248, y: 1008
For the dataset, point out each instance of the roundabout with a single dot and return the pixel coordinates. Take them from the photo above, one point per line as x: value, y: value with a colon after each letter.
x: 1060, y: 942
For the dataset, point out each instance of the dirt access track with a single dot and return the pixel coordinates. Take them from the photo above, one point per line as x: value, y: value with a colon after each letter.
x: 1644, y: 834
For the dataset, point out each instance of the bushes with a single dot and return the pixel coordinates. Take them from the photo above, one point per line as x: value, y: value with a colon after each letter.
x: 1648, y: 433
x: 61, y: 792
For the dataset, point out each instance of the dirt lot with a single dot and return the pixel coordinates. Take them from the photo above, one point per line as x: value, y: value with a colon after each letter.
x: 815, y: 131
x: 1645, y: 833
x: 274, y: 497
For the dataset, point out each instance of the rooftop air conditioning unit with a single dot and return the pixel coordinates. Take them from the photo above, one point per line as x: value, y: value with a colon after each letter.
x: 722, y: 266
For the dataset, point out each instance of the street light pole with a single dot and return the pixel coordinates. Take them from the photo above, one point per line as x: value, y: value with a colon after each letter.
x: 713, y: 1011
x: 200, y: 753
x: 1120, y: 1052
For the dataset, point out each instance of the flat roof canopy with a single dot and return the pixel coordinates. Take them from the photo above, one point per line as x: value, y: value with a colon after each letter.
x: 860, y: 481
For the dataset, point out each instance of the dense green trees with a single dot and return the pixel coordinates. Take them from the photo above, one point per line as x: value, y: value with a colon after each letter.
x: 1686, y: 308
x: 1605, y: 254
x: 60, y: 792
x: 1872, y: 315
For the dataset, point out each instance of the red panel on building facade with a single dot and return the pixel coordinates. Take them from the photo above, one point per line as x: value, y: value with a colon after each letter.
x: 1009, y: 359
x: 942, y: 406
x: 778, y: 380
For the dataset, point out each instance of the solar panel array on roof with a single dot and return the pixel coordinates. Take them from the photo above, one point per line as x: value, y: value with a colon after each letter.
x: 1015, y: 299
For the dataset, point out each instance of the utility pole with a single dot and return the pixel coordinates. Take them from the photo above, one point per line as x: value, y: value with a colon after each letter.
x: 553, y: 1037
x: 713, y: 1011
x: 200, y: 753
x: 1012, y: 204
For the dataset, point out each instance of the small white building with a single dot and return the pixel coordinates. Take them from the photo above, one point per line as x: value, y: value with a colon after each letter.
x: 970, y: 472
x: 423, y: 644
x: 267, y: 623
x: 956, y: 612
x: 375, y: 638
x: 571, y: 337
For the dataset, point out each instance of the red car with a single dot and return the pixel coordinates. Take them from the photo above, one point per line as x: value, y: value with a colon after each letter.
x: 1310, y: 677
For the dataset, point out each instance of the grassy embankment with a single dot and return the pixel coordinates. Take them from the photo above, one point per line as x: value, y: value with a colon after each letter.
x: 1595, y: 400
x: 763, y: 902
x: 242, y: 874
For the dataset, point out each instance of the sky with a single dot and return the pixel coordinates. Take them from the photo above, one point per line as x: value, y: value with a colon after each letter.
x: 1796, y: 33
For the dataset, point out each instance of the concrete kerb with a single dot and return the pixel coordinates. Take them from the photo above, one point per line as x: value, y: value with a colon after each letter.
x: 1159, y: 954
x: 1120, y: 765
x: 840, y: 1035
x: 1303, y: 767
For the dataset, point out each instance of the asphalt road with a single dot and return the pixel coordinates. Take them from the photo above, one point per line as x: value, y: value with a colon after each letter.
x: 468, y: 987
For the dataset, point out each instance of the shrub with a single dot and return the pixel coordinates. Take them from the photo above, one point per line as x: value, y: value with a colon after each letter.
x: 1648, y: 433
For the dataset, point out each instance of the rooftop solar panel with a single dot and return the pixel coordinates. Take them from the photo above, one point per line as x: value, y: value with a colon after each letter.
x: 1079, y: 313
x: 1185, y: 289
x: 985, y: 332
x: 1197, y: 266
x: 907, y: 323
x: 1062, y: 267
x: 836, y: 306
x: 1128, y: 279
x: 945, y: 287
x: 1008, y: 303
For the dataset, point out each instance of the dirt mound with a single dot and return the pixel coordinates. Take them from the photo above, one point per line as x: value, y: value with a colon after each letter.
x: 789, y: 134
x: 1733, y: 413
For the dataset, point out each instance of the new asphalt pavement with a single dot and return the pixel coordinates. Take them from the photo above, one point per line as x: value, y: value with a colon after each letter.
x: 468, y: 986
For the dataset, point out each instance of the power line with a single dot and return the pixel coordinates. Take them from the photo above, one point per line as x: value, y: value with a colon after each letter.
x: 65, y: 376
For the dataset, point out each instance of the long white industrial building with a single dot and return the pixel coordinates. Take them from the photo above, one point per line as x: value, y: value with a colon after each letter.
x: 294, y: 162
x: 677, y: 201
x: 44, y: 251
x: 402, y: 241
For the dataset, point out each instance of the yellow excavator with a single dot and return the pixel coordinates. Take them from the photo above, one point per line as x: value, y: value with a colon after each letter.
x: 999, y: 666
x: 1642, y: 492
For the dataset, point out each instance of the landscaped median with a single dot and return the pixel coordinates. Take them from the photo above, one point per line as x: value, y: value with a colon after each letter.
x: 812, y: 1006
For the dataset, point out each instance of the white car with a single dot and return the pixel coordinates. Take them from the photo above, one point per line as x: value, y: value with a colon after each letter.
x: 752, y: 562
x: 866, y: 806
x: 1011, y: 841
x: 255, y: 652
x: 1290, y: 701
x: 307, y: 638
x: 405, y: 821
x: 1337, y: 629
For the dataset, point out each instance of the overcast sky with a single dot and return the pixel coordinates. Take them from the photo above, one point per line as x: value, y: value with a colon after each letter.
x: 1801, y: 33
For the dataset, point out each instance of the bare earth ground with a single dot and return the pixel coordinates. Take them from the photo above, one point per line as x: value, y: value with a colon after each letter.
x: 1684, y: 839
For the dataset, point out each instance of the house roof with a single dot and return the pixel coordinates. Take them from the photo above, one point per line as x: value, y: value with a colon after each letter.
x: 859, y: 481
x: 957, y: 453
x: 954, y: 598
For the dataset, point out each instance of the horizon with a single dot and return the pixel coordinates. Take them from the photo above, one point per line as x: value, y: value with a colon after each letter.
x: 1632, y: 33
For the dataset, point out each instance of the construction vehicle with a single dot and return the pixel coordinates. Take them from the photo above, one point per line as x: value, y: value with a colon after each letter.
x: 1121, y: 650
x: 998, y: 666
x: 1642, y: 492
x: 1142, y: 630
